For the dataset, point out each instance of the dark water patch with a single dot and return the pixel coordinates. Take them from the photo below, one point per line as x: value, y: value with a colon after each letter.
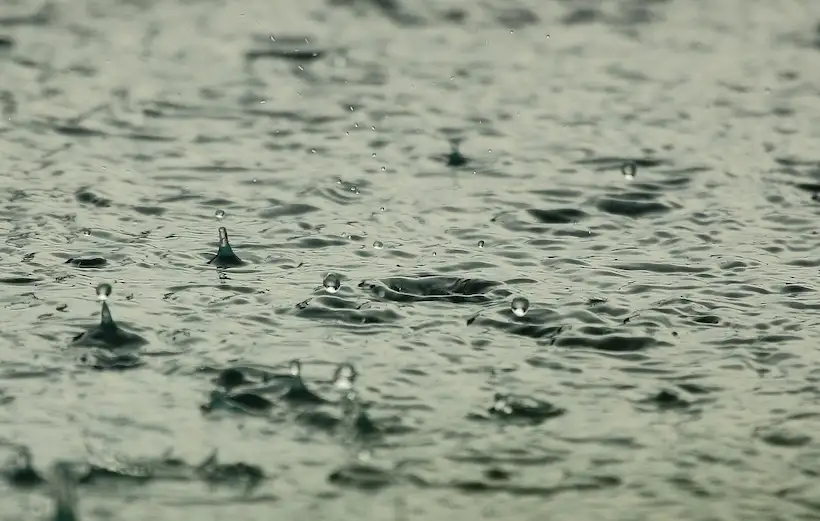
x: 660, y: 268
x: 87, y: 262
x: 632, y: 204
x: 432, y: 288
x: 558, y: 216
x: 88, y: 197
x: 287, y: 210
x: 342, y: 310
x: 298, y: 49
x: 606, y: 339
x: 19, y: 281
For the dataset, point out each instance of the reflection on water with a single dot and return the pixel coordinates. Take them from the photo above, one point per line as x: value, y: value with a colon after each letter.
x: 484, y: 259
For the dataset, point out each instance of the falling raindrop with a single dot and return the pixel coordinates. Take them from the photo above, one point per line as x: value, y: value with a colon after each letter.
x: 480, y: 244
x: 103, y: 291
x: 520, y: 306
x: 629, y: 170
x: 86, y: 232
x: 378, y: 245
x: 332, y: 283
x: 220, y: 214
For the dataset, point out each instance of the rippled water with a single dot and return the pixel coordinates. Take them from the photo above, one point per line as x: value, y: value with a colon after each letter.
x: 644, y: 173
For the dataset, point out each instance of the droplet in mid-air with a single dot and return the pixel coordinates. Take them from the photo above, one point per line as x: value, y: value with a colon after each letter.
x: 86, y: 232
x: 220, y: 214
x: 332, y: 283
x: 344, y: 377
x: 480, y: 244
x: 103, y: 291
x: 378, y: 245
x: 629, y: 170
x: 520, y: 306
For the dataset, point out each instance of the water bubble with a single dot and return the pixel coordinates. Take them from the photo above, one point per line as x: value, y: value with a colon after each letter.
x: 480, y: 244
x: 629, y: 170
x: 520, y: 306
x: 103, y: 291
x: 344, y: 377
x: 220, y: 214
x: 295, y: 368
x: 332, y: 283
x: 378, y: 245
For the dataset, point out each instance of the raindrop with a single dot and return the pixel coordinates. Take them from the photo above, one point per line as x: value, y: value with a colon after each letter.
x: 103, y: 291
x: 382, y: 208
x: 332, y: 283
x: 86, y: 232
x: 520, y: 306
x: 378, y: 245
x: 344, y: 377
x: 480, y: 244
x: 295, y: 368
x: 629, y: 170
x: 220, y: 214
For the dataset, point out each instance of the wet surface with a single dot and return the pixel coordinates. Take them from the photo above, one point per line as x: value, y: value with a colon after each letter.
x: 569, y: 249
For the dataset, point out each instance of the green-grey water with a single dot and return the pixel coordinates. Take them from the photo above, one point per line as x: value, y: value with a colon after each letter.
x: 395, y: 177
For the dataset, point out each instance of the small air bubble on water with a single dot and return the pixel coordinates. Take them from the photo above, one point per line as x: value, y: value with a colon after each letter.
x: 332, y: 283
x: 520, y: 306
x: 480, y: 244
x: 629, y: 170
x: 103, y: 291
x: 378, y: 245
x: 220, y: 214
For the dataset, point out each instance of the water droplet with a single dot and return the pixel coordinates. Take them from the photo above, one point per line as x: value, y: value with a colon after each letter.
x: 629, y: 170
x: 374, y: 154
x: 520, y: 306
x: 103, y: 291
x: 378, y: 245
x: 382, y: 209
x: 344, y: 377
x: 480, y: 244
x: 384, y: 169
x: 86, y: 232
x: 502, y: 404
x: 220, y: 214
x: 223, y: 237
x: 332, y: 283
x: 295, y: 368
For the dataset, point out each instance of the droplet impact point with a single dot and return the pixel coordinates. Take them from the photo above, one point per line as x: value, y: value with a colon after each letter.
x: 332, y: 283
x: 520, y: 306
x: 629, y: 170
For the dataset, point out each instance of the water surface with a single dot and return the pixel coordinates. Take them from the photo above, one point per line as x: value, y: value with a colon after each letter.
x: 670, y: 345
